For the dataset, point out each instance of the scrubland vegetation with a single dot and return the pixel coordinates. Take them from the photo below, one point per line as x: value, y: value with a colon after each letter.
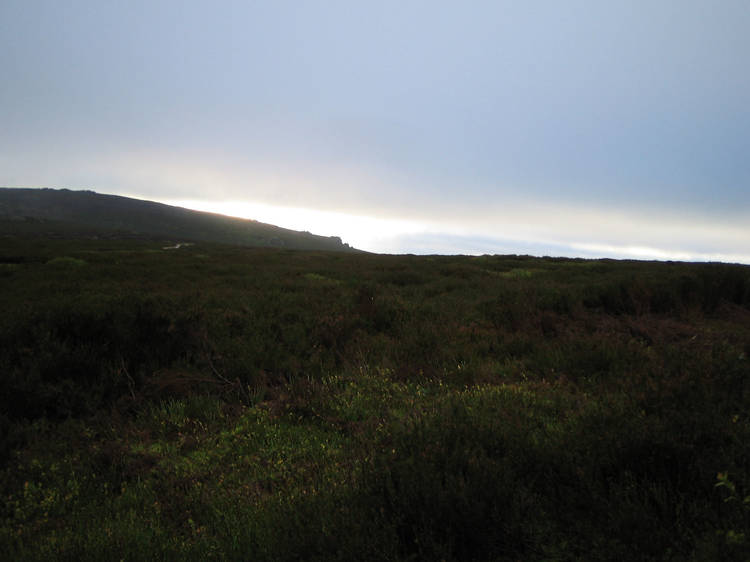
x: 240, y: 404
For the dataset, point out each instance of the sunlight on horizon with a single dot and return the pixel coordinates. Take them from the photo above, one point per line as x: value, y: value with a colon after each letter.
x: 648, y: 253
x: 400, y: 236
x: 371, y: 234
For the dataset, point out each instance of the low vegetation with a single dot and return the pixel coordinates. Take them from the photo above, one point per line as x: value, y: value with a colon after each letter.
x: 260, y: 404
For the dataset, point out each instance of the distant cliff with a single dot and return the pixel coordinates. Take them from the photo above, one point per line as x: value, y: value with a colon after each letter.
x: 62, y: 212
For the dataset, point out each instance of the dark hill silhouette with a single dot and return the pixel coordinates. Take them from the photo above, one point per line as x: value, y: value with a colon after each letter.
x: 62, y: 212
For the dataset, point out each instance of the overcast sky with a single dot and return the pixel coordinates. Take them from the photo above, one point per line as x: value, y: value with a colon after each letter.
x: 586, y: 128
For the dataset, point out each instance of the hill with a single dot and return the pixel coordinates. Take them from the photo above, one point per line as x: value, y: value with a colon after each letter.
x: 64, y: 213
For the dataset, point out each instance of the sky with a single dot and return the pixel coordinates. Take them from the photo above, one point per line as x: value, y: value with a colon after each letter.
x: 567, y: 128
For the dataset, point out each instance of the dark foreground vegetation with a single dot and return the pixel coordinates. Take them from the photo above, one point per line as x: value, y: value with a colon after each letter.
x: 216, y: 402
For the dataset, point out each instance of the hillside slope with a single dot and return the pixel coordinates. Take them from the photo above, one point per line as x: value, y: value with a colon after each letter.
x: 72, y: 213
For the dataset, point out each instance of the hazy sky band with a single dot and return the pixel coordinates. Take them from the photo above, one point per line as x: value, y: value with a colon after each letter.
x: 443, y: 112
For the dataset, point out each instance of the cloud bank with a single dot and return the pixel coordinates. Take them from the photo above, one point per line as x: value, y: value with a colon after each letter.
x: 579, y: 128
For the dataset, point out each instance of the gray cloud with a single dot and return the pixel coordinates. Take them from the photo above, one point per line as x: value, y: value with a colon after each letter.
x: 433, y: 110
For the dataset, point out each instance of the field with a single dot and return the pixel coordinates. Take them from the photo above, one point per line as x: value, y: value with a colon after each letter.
x: 261, y: 404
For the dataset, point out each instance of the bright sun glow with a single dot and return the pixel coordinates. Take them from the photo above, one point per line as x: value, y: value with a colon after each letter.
x: 365, y: 233
x: 555, y: 233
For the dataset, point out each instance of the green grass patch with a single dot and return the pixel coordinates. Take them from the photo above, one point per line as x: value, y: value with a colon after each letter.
x: 66, y: 261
